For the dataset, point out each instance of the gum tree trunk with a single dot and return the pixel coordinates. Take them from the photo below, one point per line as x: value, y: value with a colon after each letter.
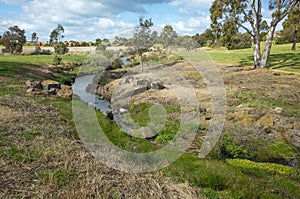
x: 257, y: 55
x: 295, y: 39
x: 268, y: 46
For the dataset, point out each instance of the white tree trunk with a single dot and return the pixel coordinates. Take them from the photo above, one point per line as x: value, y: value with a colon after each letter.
x: 257, y: 55
x: 268, y: 46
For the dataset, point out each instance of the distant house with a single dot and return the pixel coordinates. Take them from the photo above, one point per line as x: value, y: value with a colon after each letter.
x: 277, y: 34
x: 38, y: 43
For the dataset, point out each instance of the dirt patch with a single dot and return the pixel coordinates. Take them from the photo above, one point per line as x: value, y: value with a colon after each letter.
x: 8, y: 115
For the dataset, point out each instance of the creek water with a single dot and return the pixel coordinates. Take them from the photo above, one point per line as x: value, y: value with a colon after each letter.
x: 79, y: 88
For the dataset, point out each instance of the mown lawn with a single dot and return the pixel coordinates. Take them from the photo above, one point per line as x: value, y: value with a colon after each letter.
x: 282, y: 57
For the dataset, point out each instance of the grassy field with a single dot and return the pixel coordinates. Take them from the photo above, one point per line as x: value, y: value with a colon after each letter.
x: 46, y: 147
x: 282, y: 57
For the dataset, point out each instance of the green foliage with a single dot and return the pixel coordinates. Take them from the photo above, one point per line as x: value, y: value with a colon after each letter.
x: 228, y: 16
x: 238, y: 41
x: 61, y: 48
x: 165, y: 138
x: 100, y: 47
x: 167, y: 37
x: 231, y: 149
x: 30, y: 135
x: 19, y: 155
x: 57, y: 60
x: 60, y: 177
x: 291, y: 26
x: 205, y: 39
x: 142, y: 37
x: 275, y: 169
x: 57, y: 34
x: 13, y: 40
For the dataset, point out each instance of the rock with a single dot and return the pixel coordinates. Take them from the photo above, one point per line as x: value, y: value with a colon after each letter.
x: 123, y: 110
x: 65, y: 92
x: 140, y: 90
x: 50, y: 84
x: 266, y: 121
x: 295, y: 139
x: 143, y: 132
x: 157, y: 85
x: 142, y: 82
x: 52, y: 91
x: 33, y: 84
x: 280, y: 129
x: 109, y: 114
x: 30, y: 90
x: 278, y: 110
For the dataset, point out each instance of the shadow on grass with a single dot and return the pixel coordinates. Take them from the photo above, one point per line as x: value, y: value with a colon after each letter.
x: 23, y: 70
x: 284, y: 61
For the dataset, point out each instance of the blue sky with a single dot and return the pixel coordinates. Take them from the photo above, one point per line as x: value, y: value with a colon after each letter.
x: 86, y: 20
x: 90, y: 19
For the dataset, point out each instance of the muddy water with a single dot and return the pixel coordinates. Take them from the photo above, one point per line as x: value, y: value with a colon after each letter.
x: 79, y: 88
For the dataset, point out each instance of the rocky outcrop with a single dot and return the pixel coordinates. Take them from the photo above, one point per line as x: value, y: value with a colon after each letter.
x: 48, y: 88
x: 65, y: 92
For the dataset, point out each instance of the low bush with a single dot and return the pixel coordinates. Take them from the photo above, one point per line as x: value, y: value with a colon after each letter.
x: 276, y: 169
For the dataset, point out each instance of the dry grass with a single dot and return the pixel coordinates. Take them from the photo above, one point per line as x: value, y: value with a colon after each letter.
x: 53, y: 164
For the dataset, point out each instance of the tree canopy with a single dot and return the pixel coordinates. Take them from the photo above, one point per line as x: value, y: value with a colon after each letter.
x: 14, y: 39
x: 247, y: 15
x: 57, y: 34
x: 291, y: 26
x: 168, y: 36
x: 142, y: 37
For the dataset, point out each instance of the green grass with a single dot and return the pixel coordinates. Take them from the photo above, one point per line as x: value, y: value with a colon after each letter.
x: 218, y: 179
x: 214, y: 178
x: 26, y: 67
x: 58, y: 177
x: 16, y: 154
x: 282, y: 57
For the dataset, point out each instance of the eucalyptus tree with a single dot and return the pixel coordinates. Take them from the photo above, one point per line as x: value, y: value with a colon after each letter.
x: 167, y: 37
x: 142, y: 39
x: 292, y: 25
x: 57, y: 34
x: 14, y: 39
x: 247, y: 14
x: 34, y: 38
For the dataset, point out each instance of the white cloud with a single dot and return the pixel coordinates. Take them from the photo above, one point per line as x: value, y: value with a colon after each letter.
x: 193, y: 3
x: 193, y: 25
x: 90, y: 19
x: 81, y: 18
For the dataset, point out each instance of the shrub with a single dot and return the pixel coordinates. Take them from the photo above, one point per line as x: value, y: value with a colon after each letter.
x: 268, y: 167
x: 61, y: 48
x: 57, y: 60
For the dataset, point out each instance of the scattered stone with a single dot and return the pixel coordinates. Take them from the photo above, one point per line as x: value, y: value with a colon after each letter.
x: 142, y: 82
x: 295, y: 139
x: 280, y: 129
x: 266, y: 121
x: 30, y: 90
x: 157, y: 85
x: 278, y: 110
x: 33, y: 84
x: 65, y: 92
x: 143, y: 132
x: 109, y: 114
x: 50, y: 84
x: 123, y: 110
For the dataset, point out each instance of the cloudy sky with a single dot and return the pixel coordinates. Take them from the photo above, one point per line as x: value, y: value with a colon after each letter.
x: 90, y: 19
x: 86, y: 20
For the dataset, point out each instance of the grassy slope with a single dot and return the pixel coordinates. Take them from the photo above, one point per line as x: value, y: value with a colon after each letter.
x: 215, y: 178
x: 282, y: 57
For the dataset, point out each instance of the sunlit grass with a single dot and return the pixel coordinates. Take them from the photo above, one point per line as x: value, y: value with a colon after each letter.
x: 282, y: 57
